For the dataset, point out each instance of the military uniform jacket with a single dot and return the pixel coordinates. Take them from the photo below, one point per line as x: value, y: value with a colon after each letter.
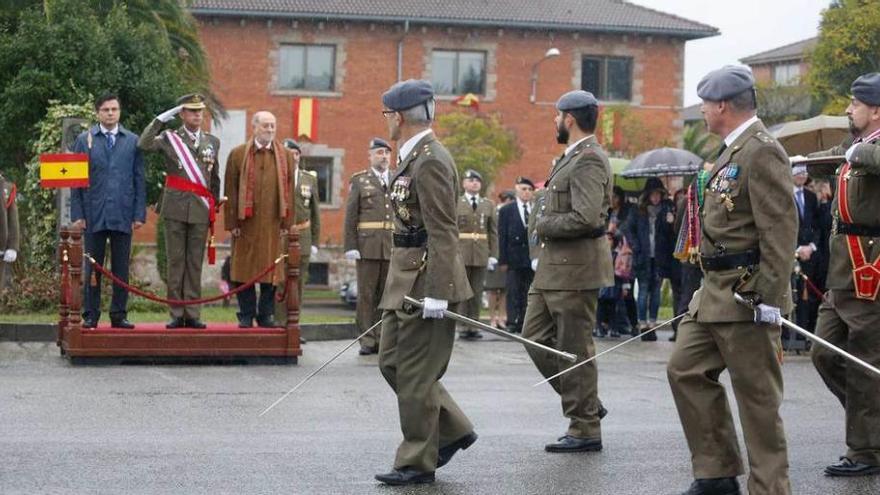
x: 181, y: 205
x: 9, y: 232
x: 307, y: 208
x: 477, y: 231
x: 748, y: 205
x: 863, y: 196
x: 368, y: 222
x: 574, y: 253
x: 424, y: 196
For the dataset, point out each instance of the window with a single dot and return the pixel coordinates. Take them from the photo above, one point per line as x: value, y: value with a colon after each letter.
x: 787, y: 74
x: 608, y: 78
x: 323, y: 165
x: 319, y: 275
x: 307, y: 67
x: 458, y: 72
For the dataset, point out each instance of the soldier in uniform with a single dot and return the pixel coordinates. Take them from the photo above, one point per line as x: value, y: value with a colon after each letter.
x: 478, y: 241
x: 573, y: 262
x: 189, y: 201
x: 749, y: 224
x: 9, y: 235
x: 425, y: 264
x: 850, y: 315
x: 368, y: 228
x: 307, y: 221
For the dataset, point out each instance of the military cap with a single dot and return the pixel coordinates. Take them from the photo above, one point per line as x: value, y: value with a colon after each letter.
x: 407, y: 94
x: 377, y: 143
x: 194, y: 101
x: 576, y: 99
x: 866, y: 89
x: 524, y: 180
x: 291, y: 144
x: 799, y: 170
x: 725, y: 83
x: 473, y: 174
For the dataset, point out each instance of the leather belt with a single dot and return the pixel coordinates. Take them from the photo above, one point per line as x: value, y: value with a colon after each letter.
x: 856, y: 229
x: 375, y: 225
x: 473, y: 235
x: 730, y: 261
x: 303, y: 225
x: 410, y: 239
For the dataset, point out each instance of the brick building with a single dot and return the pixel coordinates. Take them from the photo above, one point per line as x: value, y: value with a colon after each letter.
x: 266, y: 55
x: 780, y: 74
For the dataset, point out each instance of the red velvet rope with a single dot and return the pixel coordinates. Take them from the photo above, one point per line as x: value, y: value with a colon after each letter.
x: 178, y: 302
x: 812, y: 287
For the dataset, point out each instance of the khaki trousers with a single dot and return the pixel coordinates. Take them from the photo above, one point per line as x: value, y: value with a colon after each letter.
x: 564, y: 320
x: 413, y: 355
x: 371, y: 275
x: 185, y: 253
x: 471, y: 307
x: 751, y: 353
x: 853, y: 325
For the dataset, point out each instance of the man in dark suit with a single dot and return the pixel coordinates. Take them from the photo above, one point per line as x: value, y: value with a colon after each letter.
x: 111, y: 207
x: 513, y: 252
x: 807, y: 302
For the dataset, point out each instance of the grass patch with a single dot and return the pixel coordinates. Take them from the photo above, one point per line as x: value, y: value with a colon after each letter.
x: 210, y: 314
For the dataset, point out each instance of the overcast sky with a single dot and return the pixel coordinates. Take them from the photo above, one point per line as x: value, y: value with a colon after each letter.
x: 747, y: 27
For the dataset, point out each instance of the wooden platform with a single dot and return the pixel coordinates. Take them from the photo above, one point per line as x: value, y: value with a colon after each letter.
x: 220, y: 341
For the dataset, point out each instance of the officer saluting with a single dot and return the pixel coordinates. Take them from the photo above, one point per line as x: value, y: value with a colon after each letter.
x: 749, y: 222
x: 850, y: 316
x: 425, y: 263
x: 368, y: 228
x: 192, y: 184
x: 478, y: 240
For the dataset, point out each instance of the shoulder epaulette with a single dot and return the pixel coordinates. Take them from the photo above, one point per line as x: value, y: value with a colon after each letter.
x: 763, y: 137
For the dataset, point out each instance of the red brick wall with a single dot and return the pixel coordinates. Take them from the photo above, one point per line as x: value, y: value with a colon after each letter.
x: 241, y: 55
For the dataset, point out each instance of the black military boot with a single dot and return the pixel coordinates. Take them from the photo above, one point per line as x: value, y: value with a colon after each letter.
x: 714, y: 486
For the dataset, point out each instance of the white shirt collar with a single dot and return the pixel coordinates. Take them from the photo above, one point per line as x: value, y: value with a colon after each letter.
x: 383, y: 176
x: 260, y: 146
x: 113, y: 131
x: 579, y: 141
x: 470, y: 197
x: 411, y: 143
x: 739, y: 130
x: 520, y: 203
x: 193, y: 135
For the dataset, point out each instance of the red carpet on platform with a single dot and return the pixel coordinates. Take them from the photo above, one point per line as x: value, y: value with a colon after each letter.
x: 160, y: 327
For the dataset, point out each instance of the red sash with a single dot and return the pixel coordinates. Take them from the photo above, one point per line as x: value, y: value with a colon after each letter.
x: 866, y: 276
x: 11, y: 198
x: 179, y: 183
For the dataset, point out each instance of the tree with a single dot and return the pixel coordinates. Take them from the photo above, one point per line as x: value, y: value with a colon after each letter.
x: 699, y: 142
x: 848, y: 46
x: 478, y: 142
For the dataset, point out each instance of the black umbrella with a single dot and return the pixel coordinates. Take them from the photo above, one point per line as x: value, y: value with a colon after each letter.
x: 663, y: 162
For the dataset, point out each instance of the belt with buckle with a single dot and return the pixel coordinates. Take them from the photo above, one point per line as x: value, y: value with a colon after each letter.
x: 375, y: 226
x: 473, y: 235
x: 730, y: 261
x: 856, y: 229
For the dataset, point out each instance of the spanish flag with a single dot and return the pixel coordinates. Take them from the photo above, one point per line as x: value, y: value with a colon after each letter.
x: 469, y: 100
x: 305, y: 118
x: 64, y: 170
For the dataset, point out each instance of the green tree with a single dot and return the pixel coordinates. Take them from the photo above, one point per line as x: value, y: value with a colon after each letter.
x: 848, y: 46
x: 478, y: 142
x: 698, y: 141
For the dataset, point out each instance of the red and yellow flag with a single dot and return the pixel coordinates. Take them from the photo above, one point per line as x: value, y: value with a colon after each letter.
x: 305, y: 118
x: 64, y: 170
x: 469, y: 100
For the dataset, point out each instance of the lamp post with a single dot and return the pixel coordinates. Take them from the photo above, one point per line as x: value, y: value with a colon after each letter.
x: 551, y: 53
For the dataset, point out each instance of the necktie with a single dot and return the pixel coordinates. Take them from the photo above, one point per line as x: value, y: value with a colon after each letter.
x: 721, y: 149
x: 474, y: 202
x: 526, y: 214
x: 800, y: 201
x: 111, y: 140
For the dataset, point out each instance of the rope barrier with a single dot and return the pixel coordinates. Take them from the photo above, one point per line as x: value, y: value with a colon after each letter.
x: 179, y: 302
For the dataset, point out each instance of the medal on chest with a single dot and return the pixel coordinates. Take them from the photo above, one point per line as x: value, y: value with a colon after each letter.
x: 306, y: 193
x: 724, y: 183
x: 209, y: 157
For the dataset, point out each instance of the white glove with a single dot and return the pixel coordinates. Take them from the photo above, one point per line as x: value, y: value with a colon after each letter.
x: 535, y: 265
x: 352, y: 255
x: 768, y: 314
x: 314, y: 250
x: 10, y: 256
x: 167, y: 115
x: 851, y: 150
x: 493, y: 263
x: 433, y: 308
x: 796, y: 159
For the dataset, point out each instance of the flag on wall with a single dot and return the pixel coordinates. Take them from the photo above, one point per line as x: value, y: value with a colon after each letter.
x: 305, y: 118
x: 64, y: 170
x: 469, y: 100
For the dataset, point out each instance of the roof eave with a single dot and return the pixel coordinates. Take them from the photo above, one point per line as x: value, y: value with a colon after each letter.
x: 772, y: 60
x: 676, y: 33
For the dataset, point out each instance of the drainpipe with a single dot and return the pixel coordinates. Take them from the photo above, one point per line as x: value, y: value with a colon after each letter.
x: 400, y: 51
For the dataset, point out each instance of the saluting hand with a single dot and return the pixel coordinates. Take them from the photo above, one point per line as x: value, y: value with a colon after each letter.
x: 167, y: 115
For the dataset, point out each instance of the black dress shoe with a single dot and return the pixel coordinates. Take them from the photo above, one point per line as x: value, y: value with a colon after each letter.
x: 569, y: 443
x: 123, y: 323
x: 267, y: 323
x: 847, y: 467
x: 245, y: 323
x: 175, y: 323
x: 405, y: 476
x: 447, y: 452
x: 714, y: 486
x: 367, y: 350
x: 602, y: 411
x: 195, y: 323
x: 90, y: 323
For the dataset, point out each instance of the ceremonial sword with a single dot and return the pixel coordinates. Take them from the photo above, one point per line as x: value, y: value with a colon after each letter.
x: 610, y: 349
x: 488, y: 328
x: 304, y: 380
x: 818, y: 159
x: 815, y: 338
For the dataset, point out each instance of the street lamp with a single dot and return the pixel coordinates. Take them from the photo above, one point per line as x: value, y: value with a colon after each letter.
x: 551, y: 53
